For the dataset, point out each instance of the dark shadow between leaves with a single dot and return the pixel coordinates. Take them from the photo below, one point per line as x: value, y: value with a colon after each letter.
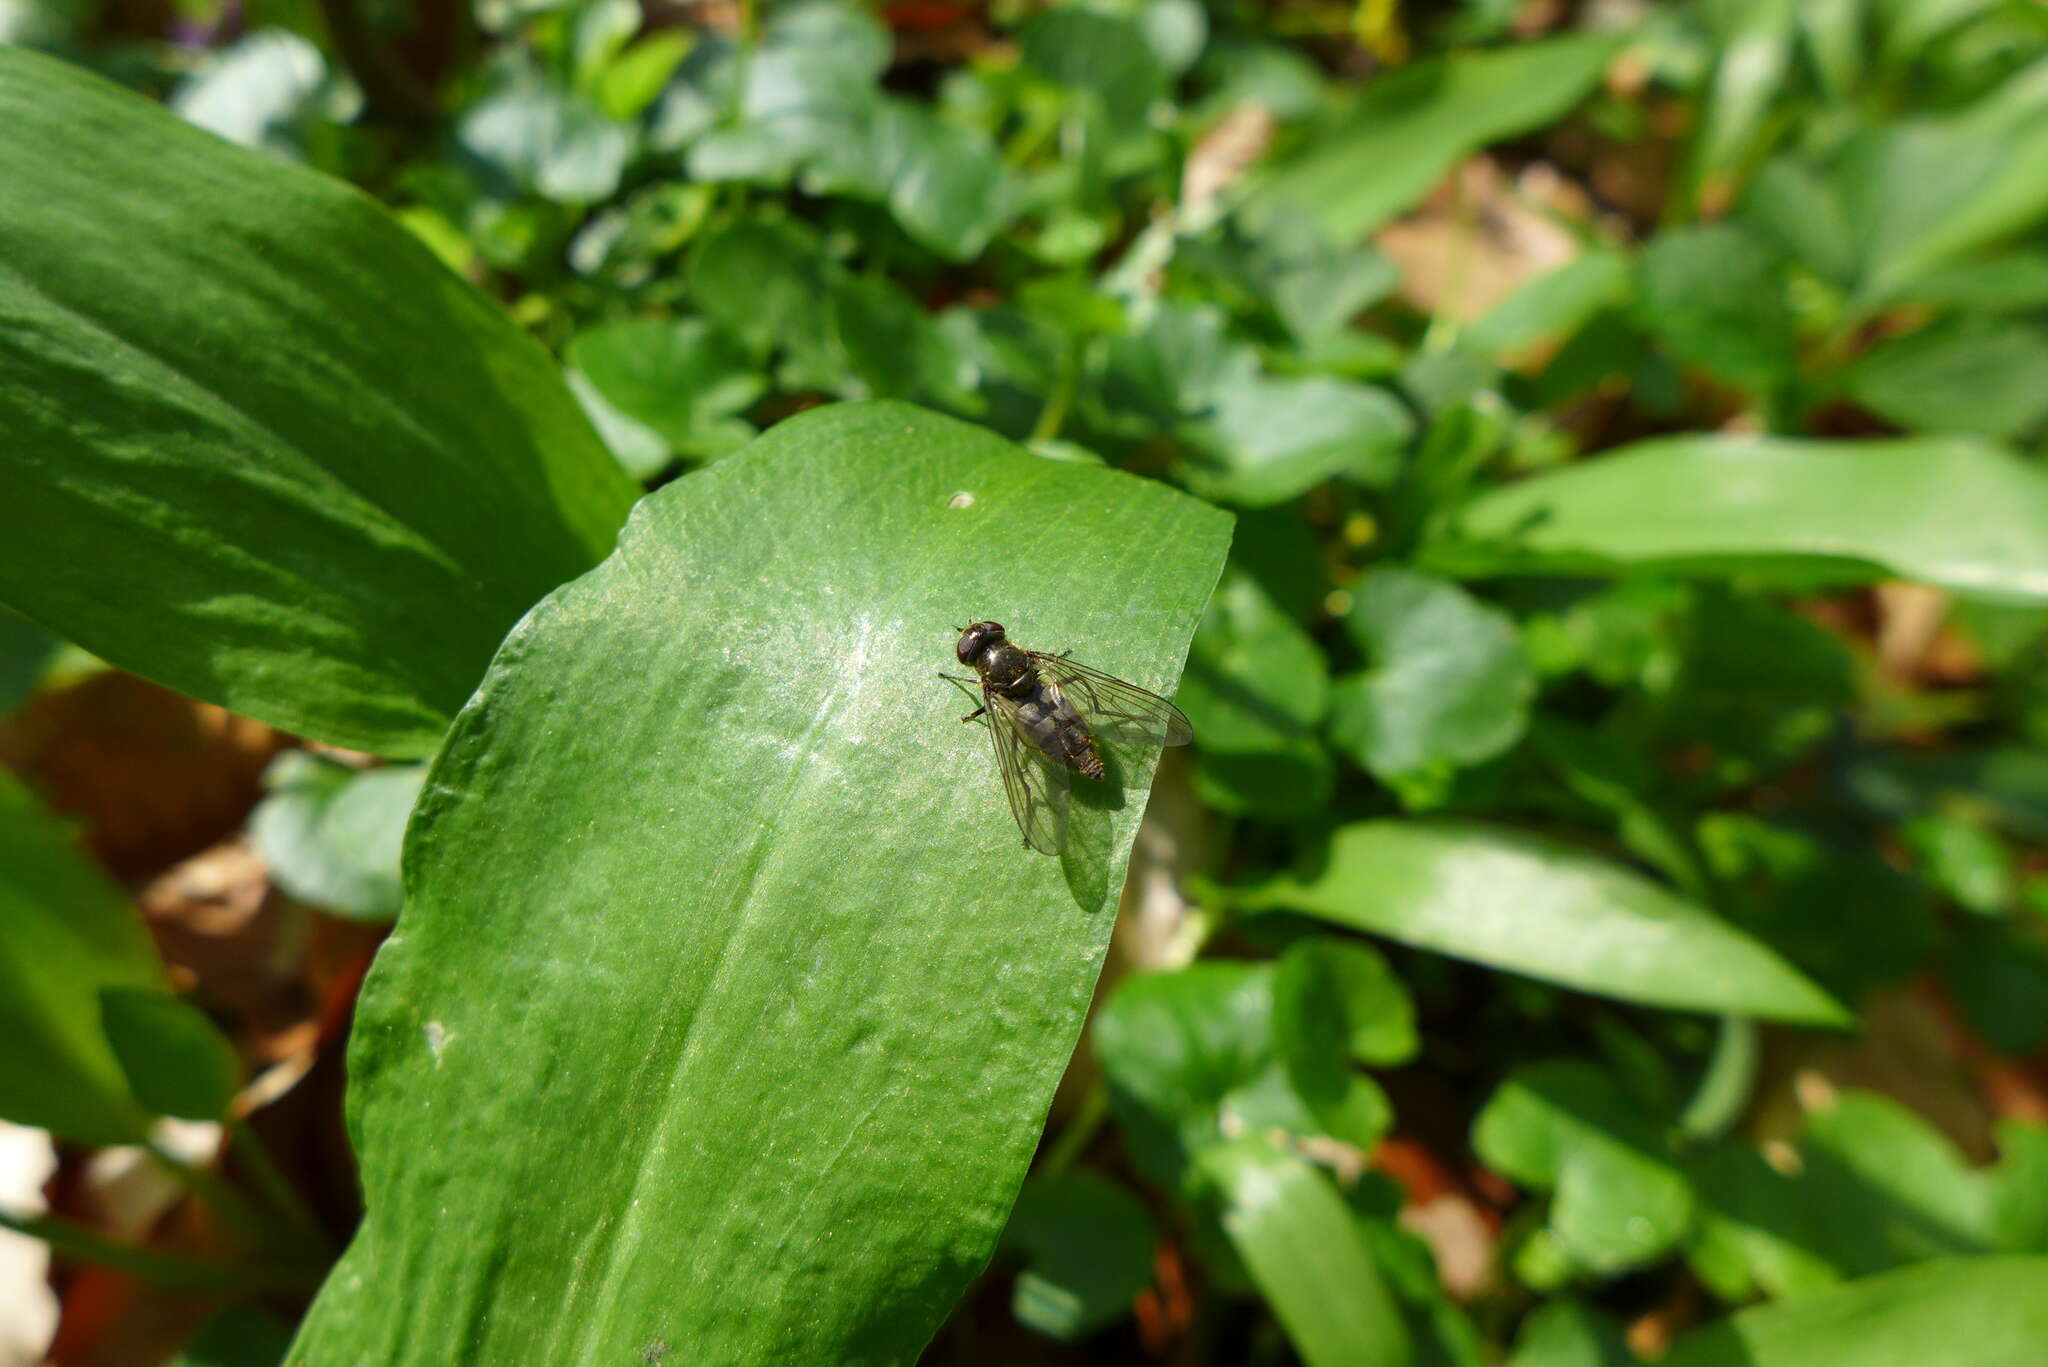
x: 1091, y: 832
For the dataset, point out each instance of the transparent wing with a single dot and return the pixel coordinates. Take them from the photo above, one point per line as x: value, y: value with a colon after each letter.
x: 1116, y: 711
x: 1037, y: 789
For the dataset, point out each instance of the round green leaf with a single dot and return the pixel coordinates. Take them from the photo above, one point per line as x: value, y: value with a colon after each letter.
x: 1449, y: 683
x: 727, y: 1003
x: 331, y: 834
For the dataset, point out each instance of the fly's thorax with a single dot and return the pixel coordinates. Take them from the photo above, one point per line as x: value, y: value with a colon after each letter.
x: 1004, y: 666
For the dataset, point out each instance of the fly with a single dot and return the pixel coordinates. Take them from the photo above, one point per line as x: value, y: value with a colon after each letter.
x: 1046, y: 717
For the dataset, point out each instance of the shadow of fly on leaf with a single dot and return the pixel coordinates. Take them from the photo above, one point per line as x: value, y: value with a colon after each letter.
x: 1049, y: 719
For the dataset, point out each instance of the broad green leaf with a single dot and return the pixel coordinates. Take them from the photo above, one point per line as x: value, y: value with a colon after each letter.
x: 1716, y: 299
x: 1408, y: 128
x: 1087, y: 1245
x: 1949, y: 512
x: 66, y: 934
x: 682, y: 378
x: 1305, y: 1251
x: 1620, y: 1200
x: 1979, y: 377
x: 176, y: 1060
x: 1447, y: 683
x: 1543, y: 909
x: 715, y: 912
x: 332, y: 834
x: 320, y: 476
x: 1256, y: 689
x: 1959, y: 1312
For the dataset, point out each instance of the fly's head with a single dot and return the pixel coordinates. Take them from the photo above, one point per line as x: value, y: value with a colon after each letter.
x: 977, y: 639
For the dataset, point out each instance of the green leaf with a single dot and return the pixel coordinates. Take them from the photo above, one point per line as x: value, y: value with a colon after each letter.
x: 1181, y: 1049
x: 175, y: 1059
x: 1960, y: 1312
x: 1103, y: 56
x: 1305, y: 1251
x: 1979, y: 377
x: 1408, y: 128
x: 811, y: 109
x: 1715, y: 298
x: 715, y: 911
x: 1312, y: 1021
x: 240, y: 1336
x: 634, y: 79
x: 548, y: 141
x: 1379, y: 1015
x: 1531, y: 906
x: 1921, y: 195
x: 1564, y: 1332
x: 26, y: 653
x: 258, y: 91
x: 1272, y: 438
x: 320, y: 475
x: 1256, y: 689
x: 1447, y: 683
x: 1621, y: 1200
x: 1999, y: 976
x: 682, y: 378
x: 1948, y: 512
x: 1553, y: 305
x: 1869, y: 1187
x: 331, y: 834
x: 1088, y: 1247
x: 66, y: 933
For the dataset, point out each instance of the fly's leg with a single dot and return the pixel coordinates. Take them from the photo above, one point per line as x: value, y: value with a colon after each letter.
x: 962, y: 681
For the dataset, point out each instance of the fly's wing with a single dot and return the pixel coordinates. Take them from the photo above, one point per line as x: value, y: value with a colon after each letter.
x: 1116, y: 711
x: 1037, y: 789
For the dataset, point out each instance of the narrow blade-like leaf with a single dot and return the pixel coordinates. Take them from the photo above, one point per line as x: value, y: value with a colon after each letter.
x: 1532, y: 906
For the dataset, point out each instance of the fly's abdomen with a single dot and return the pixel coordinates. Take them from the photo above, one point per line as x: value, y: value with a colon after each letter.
x: 1052, y: 727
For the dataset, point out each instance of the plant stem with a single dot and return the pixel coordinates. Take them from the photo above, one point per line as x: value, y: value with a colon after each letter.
x: 1079, y: 1133
x: 168, y: 1269
x: 273, y: 1187
x: 1723, y: 1094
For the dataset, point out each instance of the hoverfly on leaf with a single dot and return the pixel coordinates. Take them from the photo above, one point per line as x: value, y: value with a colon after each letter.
x: 1046, y: 717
